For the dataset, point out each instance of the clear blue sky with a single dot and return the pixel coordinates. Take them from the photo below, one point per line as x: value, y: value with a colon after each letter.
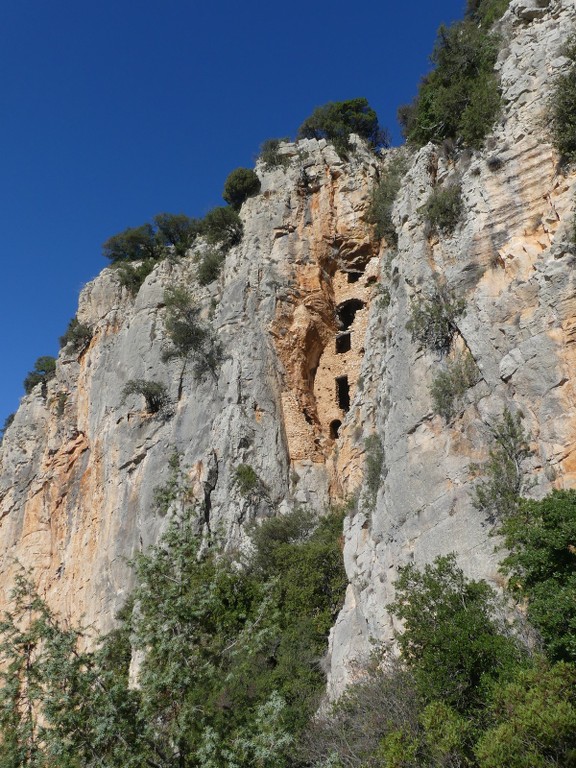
x: 112, y: 112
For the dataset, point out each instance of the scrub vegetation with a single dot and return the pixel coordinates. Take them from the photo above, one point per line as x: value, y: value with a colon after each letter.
x: 459, y: 99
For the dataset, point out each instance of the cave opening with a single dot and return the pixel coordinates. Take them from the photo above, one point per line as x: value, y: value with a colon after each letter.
x: 343, y: 343
x: 347, y: 312
x: 335, y: 429
x: 343, y: 393
x: 353, y: 277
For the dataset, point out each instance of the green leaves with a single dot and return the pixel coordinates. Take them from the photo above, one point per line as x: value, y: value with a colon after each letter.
x: 541, y: 566
x: 336, y: 120
x: 44, y: 370
x: 460, y: 98
x: 240, y: 184
x: 450, y: 640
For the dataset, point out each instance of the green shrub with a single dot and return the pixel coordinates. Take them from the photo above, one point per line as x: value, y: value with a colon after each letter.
x: 131, y: 276
x: 374, y: 460
x: 335, y: 122
x: 44, y: 370
x: 498, y: 495
x: 222, y: 226
x: 433, y: 320
x: 189, y: 336
x: 153, y: 392
x: 444, y: 208
x: 177, y: 230
x: 532, y: 720
x: 151, y: 242
x: 460, y: 98
x: 246, y: 479
x: 486, y: 11
x: 451, y: 641
x: 450, y: 385
x: 563, y: 107
x: 133, y: 244
x: 78, y: 335
x: 271, y: 157
x: 210, y: 266
x: 382, y: 200
x: 241, y: 184
x: 540, y: 537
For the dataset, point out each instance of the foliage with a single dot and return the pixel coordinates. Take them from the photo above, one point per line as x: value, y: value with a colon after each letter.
x: 150, y: 242
x: 177, y: 230
x: 246, y: 479
x: 460, y: 98
x: 131, y: 276
x: 270, y: 155
x: 450, y: 641
x: 541, y: 565
x: 373, y: 468
x: 335, y: 122
x: 222, y: 226
x: 7, y: 421
x: 189, y: 336
x: 433, y: 320
x: 60, y: 705
x: 153, y: 392
x: 133, y: 244
x: 533, y: 720
x: 304, y: 564
x: 77, y: 335
x: 443, y: 209
x: 486, y: 12
x: 382, y: 200
x: 563, y: 108
x: 44, y: 370
x: 451, y: 384
x: 210, y: 266
x: 240, y: 184
x: 498, y: 496
x: 374, y: 716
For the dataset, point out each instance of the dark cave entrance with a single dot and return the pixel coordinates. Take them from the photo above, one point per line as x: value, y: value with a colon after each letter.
x: 343, y: 393
x: 347, y: 312
x: 343, y: 343
x: 335, y: 429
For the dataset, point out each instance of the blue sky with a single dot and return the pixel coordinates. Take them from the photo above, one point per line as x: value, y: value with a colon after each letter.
x: 112, y: 112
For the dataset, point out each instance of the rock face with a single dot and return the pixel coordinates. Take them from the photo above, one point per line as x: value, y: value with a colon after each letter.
x: 311, y: 312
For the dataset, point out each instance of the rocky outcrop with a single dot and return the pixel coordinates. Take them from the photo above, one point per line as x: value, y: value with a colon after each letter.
x: 512, y: 260
x: 311, y: 312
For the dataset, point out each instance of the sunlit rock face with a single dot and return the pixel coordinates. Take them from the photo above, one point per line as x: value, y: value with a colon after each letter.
x: 311, y: 312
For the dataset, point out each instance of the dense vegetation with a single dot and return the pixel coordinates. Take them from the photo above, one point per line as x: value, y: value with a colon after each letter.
x: 44, y: 370
x: 460, y: 98
x: 230, y: 671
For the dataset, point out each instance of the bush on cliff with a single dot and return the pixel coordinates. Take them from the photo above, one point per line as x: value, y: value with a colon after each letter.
x: 564, y: 109
x: 240, y: 184
x: 44, y: 370
x: 335, y: 122
x: 460, y: 98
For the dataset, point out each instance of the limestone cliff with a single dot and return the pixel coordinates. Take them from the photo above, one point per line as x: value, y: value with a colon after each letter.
x: 311, y: 311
